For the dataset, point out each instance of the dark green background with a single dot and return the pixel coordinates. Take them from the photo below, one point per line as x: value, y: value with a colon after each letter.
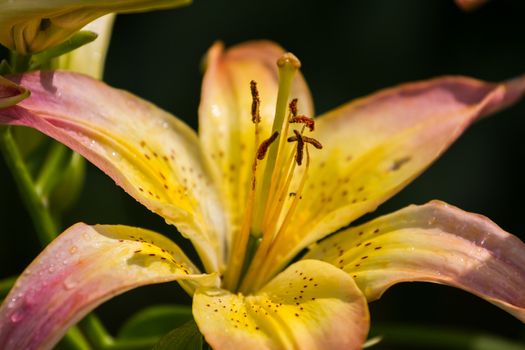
x: 348, y: 49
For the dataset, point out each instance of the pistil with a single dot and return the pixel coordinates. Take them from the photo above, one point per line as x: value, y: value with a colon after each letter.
x: 288, y: 66
x: 269, y: 211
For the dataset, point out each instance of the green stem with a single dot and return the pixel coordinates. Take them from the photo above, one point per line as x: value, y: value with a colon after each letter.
x: 48, y: 177
x: 96, y: 333
x: 42, y: 220
x: 5, y: 285
x: 101, y: 339
x: 38, y: 210
x: 421, y: 337
x: 288, y: 66
x: 20, y: 63
x: 74, y: 340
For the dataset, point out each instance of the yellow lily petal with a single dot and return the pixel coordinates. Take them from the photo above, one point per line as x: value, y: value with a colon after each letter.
x: 79, y: 270
x: 374, y: 147
x: 310, y: 305
x: 226, y: 131
x: 154, y: 156
x: 89, y: 59
x: 437, y: 243
x: 30, y: 26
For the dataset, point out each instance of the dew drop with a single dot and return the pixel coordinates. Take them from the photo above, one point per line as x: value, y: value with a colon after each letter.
x: 69, y: 284
x: 16, y: 317
x: 12, y: 303
x: 73, y: 249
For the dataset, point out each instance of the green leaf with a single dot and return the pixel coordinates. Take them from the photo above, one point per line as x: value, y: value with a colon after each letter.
x: 423, y: 337
x: 186, y: 337
x: 77, y: 40
x: 155, y: 321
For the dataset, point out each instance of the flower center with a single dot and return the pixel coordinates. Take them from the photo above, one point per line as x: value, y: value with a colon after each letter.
x: 273, y: 196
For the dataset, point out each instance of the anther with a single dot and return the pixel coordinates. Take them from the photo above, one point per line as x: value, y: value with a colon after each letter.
x: 263, y: 148
x: 313, y: 142
x: 309, y: 122
x: 256, y: 102
x: 300, y: 145
x: 293, y: 107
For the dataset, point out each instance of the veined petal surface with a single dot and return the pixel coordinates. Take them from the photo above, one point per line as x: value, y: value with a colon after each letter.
x: 80, y: 269
x: 226, y: 130
x: 29, y: 26
x: 437, y: 243
x: 310, y: 305
x: 373, y: 147
x: 154, y: 156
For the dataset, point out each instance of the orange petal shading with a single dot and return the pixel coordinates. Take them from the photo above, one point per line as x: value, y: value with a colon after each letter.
x: 375, y: 146
x: 437, y: 243
x: 226, y: 130
x: 154, y: 156
x: 310, y: 305
x: 79, y: 270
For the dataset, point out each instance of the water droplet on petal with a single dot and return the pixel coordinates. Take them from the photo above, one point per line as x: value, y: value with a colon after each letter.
x: 12, y: 303
x: 16, y: 316
x: 73, y: 249
x: 69, y: 284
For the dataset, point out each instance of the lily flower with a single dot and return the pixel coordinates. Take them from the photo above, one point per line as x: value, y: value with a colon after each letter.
x: 259, y: 185
x: 31, y: 26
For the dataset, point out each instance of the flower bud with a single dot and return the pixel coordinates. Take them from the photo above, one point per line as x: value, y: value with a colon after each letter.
x: 31, y: 26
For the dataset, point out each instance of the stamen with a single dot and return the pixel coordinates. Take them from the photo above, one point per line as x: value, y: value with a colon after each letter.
x: 288, y: 66
x: 278, y: 199
x: 313, y: 142
x: 263, y: 148
x: 300, y: 146
x: 264, y: 270
x: 256, y: 102
x: 309, y: 122
x: 241, y: 238
x: 293, y: 107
